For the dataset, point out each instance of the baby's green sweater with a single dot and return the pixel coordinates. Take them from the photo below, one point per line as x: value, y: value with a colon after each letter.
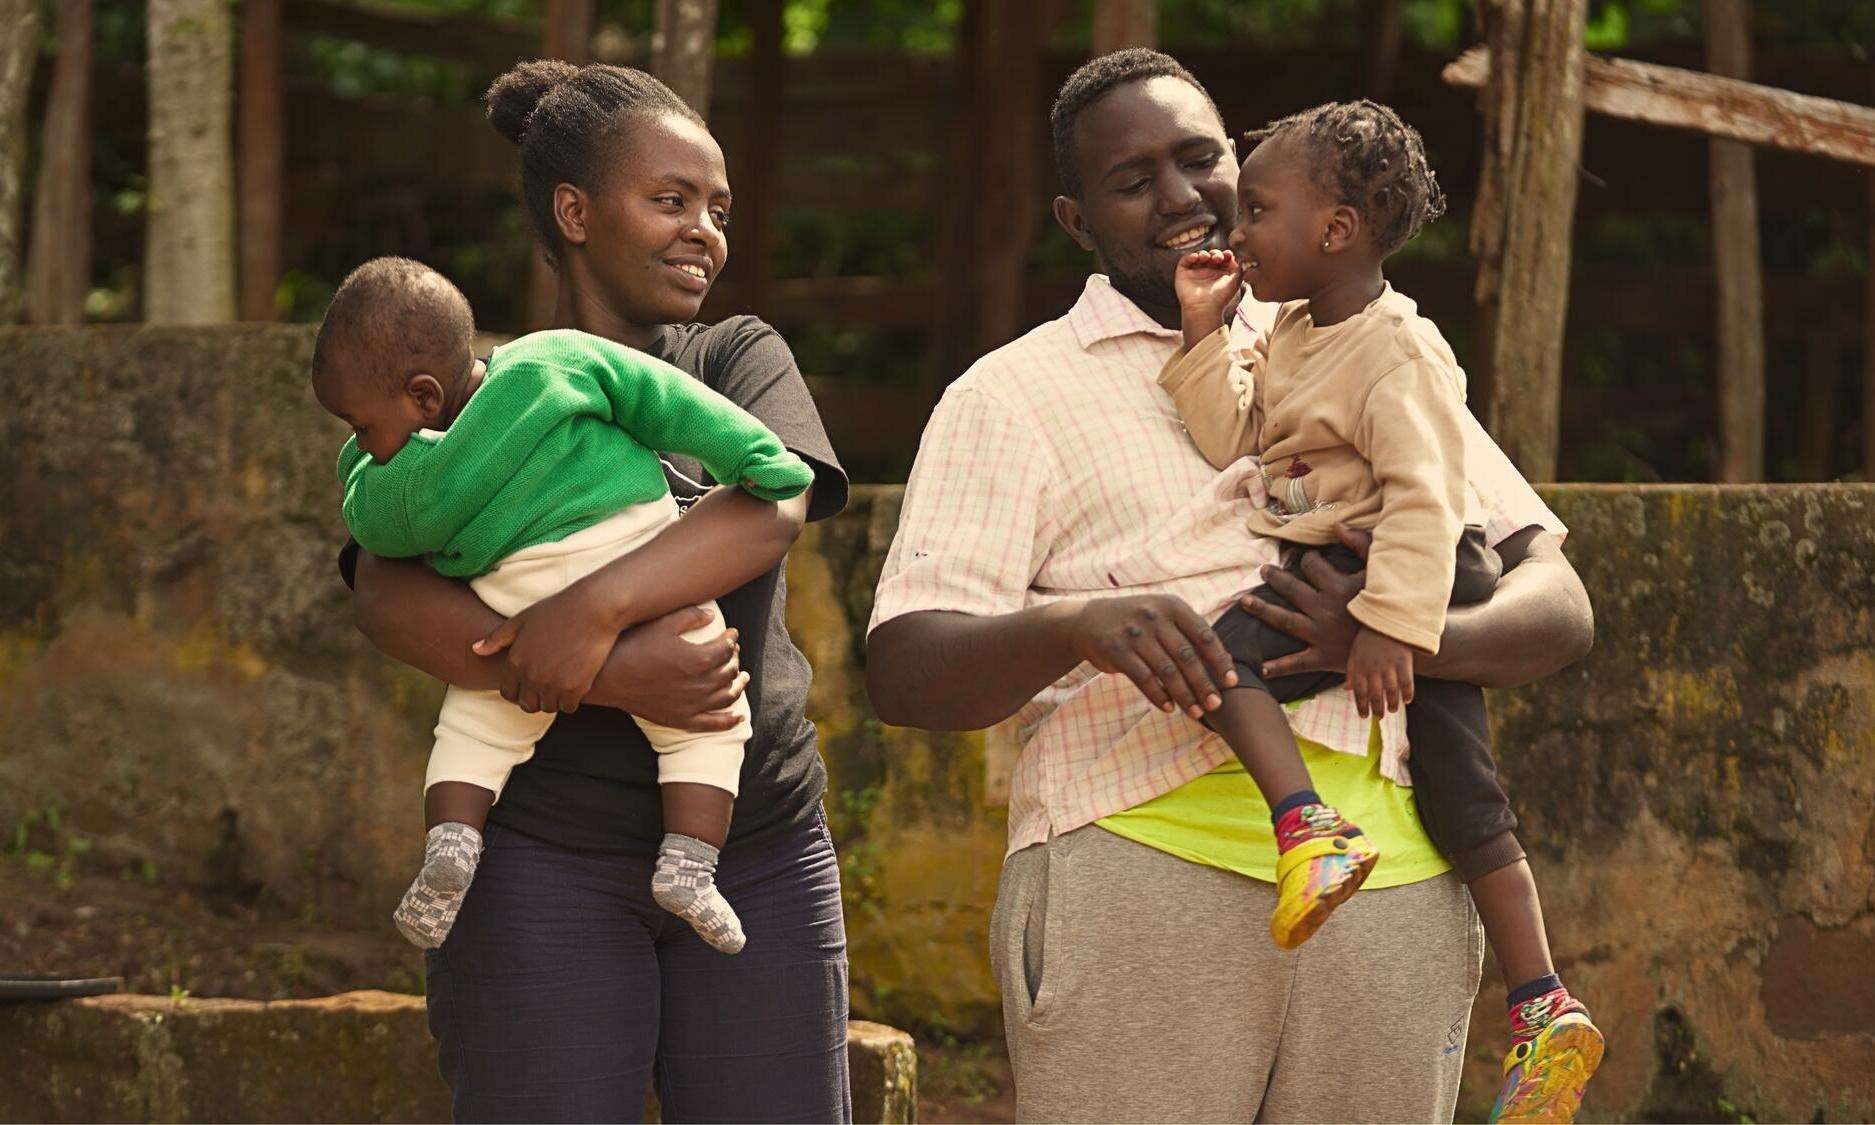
x: 562, y: 434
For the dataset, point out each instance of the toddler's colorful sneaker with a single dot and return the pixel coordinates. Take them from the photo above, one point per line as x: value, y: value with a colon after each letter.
x: 1555, y: 1050
x: 1325, y: 859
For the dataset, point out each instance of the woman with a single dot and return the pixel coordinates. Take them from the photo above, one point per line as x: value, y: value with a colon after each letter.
x: 563, y: 987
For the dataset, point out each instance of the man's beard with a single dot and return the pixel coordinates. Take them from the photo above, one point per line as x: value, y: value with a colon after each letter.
x: 1142, y: 283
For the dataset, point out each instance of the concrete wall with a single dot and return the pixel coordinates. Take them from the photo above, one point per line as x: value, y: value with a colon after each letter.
x: 178, y: 676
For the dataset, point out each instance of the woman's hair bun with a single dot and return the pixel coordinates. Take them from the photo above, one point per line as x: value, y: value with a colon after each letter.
x: 514, y: 96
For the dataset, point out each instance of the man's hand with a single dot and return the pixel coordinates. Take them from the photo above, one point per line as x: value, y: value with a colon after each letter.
x: 1321, y: 620
x: 1156, y: 641
x: 657, y: 675
x: 1207, y: 282
x: 555, y: 649
x: 1380, y: 674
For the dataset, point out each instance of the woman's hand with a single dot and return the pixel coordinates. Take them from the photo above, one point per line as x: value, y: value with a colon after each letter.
x: 555, y: 649
x: 657, y: 675
x: 1321, y: 620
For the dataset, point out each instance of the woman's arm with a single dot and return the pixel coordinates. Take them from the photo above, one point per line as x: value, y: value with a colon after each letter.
x: 416, y: 616
x: 557, y: 645
x: 1537, y: 623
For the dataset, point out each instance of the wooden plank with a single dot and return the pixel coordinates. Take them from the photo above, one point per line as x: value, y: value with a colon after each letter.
x: 1736, y: 264
x: 188, y: 259
x: 1706, y: 103
x: 58, y: 265
x: 1383, y: 34
x: 1125, y: 23
x: 1868, y: 326
x: 261, y: 150
x: 1521, y: 222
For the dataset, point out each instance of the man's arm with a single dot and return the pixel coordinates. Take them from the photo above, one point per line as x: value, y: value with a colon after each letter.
x: 1537, y: 623
x: 956, y: 671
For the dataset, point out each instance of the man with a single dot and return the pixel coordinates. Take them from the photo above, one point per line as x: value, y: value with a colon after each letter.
x: 1061, y: 548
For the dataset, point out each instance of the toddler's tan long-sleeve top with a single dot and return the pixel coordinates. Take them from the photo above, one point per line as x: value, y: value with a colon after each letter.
x: 1355, y: 423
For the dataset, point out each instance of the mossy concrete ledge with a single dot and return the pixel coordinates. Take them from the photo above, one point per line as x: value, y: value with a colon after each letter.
x: 360, y: 1056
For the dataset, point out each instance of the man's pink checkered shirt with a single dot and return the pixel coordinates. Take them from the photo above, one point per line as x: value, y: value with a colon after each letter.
x: 1056, y: 468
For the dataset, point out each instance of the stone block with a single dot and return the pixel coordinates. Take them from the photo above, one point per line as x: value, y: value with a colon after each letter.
x: 361, y: 1056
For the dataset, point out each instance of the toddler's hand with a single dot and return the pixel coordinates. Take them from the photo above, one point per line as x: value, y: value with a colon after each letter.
x: 1207, y: 281
x: 1380, y: 673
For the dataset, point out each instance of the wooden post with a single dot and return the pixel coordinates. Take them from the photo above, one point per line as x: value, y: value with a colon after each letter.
x: 1383, y: 34
x: 1816, y: 422
x: 262, y: 203
x: 753, y: 235
x: 1125, y: 23
x: 566, y: 34
x: 188, y: 257
x: 1521, y: 222
x: 683, y: 49
x: 58, y: 263
x: 1740, y: 308
x: 19, y: 53
x: 1009, y: 209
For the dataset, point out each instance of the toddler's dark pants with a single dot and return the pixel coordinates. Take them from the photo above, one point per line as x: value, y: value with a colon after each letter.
x: 1464, y: 809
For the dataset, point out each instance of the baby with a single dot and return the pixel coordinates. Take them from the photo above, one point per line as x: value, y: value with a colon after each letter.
x: 524, y: 475
x: 1353, y: 404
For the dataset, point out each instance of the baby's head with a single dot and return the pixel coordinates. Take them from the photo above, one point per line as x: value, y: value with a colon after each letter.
x: 1327, y: 192
x: 394, y: 353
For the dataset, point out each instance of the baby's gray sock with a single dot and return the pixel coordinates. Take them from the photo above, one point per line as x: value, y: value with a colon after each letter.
x: 685, y: 884
x: 450, y: 853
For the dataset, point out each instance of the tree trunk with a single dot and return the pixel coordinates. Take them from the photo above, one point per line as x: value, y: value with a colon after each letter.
x: 1740, y: 308
x: 58, y: 264
x: 188, y: 257
x: 683, y: 47
x: 1868, y: 330
x: 1521, y: 222
x: 18, y: 55
x: 565, y: 34
x: 263, y: 159
x: 1125, y: 23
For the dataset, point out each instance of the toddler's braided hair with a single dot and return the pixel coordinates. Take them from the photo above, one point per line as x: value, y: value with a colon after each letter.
x: 1370, y: 160
x: 564, y: 119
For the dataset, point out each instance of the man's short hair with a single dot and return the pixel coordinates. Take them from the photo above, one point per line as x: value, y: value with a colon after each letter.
x: 401, y: 317
x: 1095, y: 79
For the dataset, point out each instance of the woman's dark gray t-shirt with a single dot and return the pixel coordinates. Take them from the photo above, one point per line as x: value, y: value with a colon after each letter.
x: 592, y: 783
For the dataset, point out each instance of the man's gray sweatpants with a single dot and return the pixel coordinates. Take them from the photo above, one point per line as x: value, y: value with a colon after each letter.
x: 1138, y: 986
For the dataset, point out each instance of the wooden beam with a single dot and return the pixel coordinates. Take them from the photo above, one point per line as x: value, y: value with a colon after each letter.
x: 1125, y: 23
x: 683, y: 47
x: 1736, y: 262
x: 19, y: 54
x: 1705, y: 103
x: 262, y: 152
x: 1521, y: 221
x: 58, y: 264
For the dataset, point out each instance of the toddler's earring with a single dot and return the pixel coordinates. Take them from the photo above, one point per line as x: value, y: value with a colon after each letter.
x: 1324, y: 244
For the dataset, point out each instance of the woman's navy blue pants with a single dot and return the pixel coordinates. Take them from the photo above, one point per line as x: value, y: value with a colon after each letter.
x: 564, y: 990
